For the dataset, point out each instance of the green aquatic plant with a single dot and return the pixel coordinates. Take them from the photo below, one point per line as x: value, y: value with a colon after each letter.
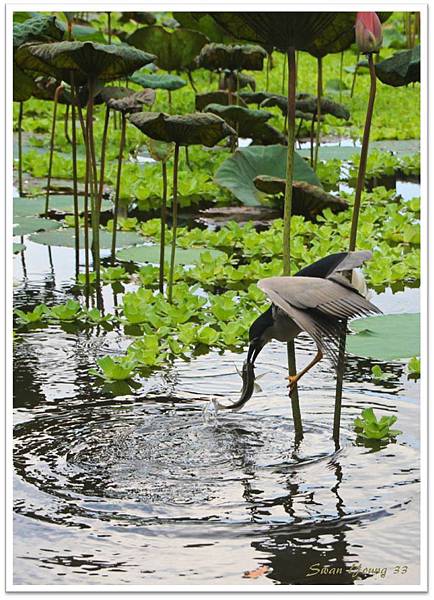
x: 413, y: 368
x: 38, y: 314
x: 70, y: 311
x: 118, y: 368
x: 111, y: 274
x: 368, y: 427
x: 379, y: 375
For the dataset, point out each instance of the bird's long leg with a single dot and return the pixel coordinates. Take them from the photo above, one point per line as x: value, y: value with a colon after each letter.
x: 294, y: 378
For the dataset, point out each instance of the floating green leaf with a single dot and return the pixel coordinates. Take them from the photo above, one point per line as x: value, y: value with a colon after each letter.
x: 386, y: 337
x: 25, y: 207
x: 151, y: 254
x: 238, y: 172
x: 66, y: 238
x: 158, y: 81
x: 232, y: 57
x: 26, y: 225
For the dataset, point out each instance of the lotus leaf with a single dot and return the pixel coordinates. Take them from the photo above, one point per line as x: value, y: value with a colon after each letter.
x: 163, y: 81
x: 203, y: 23
x: 175, y: 51
x: 184, y: 130
x: 308, y: 104
x: 216, y: 57
x: 386, y: 337
x: 18, y: 248
x: 151, y: 254
x: 265, y: 134
x: 238, y: 114
x: 132, y: 102
x: 37, y: 29
x: 88, y: 59
x: 24, y: 207
x: 110, y: 92
x: 221, y: 97
x: 145, y: 18
x: 238, y: 172
x: 66, y: 238
x: 26, y: 225
x: 308, y: 200
x: 400, y: 69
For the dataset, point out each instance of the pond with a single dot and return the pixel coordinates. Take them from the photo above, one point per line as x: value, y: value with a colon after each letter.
x: 142, y: 486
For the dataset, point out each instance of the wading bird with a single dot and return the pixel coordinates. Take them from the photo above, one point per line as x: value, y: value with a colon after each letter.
x: 317, y: 300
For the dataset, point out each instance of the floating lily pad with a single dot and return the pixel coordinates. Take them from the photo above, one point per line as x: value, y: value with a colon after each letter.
x: 25, y: 207
x: 306, y: 103
x: 238, y: 172
x: 164, y: 81
x: 26, y: 225
x: 400, y: 69
x: 151, y: 254
x: 221, y: 97
x: 308, y: 199
x: 66, y: 238
x: 386, y: 337
x: 18, y: 248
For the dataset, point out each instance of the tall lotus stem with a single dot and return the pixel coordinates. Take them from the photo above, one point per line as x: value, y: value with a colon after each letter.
x: 90, y: 156
x: 353, y: 85
x: 163, y: 226
x: 118, y: 184
x: 53, y: 131
x: 267, y: 72
x: 341, y: 70
x: 20, y: 148
x: 296, y: 415
x: 318, y: 112
x: 109, y: 26
x: 65, y: 123
x: 74, y: 181
x: 285, y: 58
x: 353, y: 238
x: 102, y: 162
x: 174, y: 221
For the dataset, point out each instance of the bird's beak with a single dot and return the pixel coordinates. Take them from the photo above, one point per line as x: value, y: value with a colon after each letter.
x: 255, y: 347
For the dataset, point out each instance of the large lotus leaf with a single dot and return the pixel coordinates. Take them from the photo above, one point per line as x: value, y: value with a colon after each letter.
x: 217, y: 97
x: 280, y: 30
x: 144, y: 18
x: 99, y: 61
x: 308, y: 104
x: 239, y: 115
x: 66, y: 238
x: 24, y: 207
x: 133, y: 102
x: 265, y: 134
x: 164, y: 81
x: 86, y: 33
x: 23, y: 84
x: 400, y: 69
x: 18, y: 248
x: 151, y: 254
x: 175, y: 50
x: 203, y: 23
x: 238, y: 172
x: 386, y: 337
x: 308, y: 200
x: 215, y: 57
x: 26, y: 59
x: 26, y: 225
x: 255, y: 97
x: 111, y: 92
x: 37, y: 29
x: 185, y: 130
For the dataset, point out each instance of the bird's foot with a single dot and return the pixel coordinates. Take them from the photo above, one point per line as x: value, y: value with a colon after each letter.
x: 292, y: 382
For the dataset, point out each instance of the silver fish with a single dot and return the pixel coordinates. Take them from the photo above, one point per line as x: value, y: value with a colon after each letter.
x: 248, y: 375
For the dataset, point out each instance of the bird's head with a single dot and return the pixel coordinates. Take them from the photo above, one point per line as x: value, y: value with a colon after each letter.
x: 257, y: 334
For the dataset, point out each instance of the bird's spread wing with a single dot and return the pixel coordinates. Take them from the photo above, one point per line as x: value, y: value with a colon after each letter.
x: 317, y: 306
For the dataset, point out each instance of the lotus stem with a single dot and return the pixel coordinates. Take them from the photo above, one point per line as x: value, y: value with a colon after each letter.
x: 296, y: 415
x: 20, y: 148
x: 341, y: 72
x: 187, y: 159
x: 285, y: 58
x: 74, y: 182
x: 174, y: 221
x: 169, y: 92
x: 109, y: 27
x: 163, y: 226
x: 318, y: 112
x: 191, y: 80
x: 65, y: 123
x: 102, y: 162
x: 353, y: 238
x: 353, y: 85
x: 267, y: 73
x: 90, y: 155
x: 53, y: 130
x: 118, y: 185
x: 312, y: 130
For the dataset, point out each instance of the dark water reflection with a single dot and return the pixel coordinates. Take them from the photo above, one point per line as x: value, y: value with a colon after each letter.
x: 144, y: 488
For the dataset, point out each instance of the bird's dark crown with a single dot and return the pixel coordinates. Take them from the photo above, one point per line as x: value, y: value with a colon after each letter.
x: 261, y: 324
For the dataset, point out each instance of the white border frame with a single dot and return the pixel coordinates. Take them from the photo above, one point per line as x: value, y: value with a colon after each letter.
x: 153, y: 5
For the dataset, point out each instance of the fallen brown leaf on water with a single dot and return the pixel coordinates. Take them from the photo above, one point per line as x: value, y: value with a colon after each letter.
x: 256, y: 572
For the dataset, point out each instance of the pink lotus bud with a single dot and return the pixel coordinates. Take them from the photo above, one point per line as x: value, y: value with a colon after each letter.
x: 369, y: 33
